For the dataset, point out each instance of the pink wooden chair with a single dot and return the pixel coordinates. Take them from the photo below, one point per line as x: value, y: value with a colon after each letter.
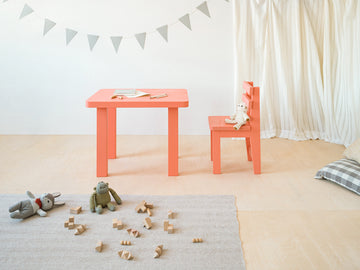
x: 250, y: 130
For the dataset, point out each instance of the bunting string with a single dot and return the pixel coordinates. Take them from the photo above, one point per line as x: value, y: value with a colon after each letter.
x: 92, y: 39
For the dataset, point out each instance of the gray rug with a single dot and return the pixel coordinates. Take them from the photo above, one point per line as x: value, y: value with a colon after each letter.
x: 44, y: 243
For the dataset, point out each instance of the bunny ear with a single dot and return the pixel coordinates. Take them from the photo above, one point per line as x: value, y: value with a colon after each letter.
x: 56, y: 194
x: 59, y: 203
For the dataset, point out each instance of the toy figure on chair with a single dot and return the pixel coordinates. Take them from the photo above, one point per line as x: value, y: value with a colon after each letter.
x: 240, y: 117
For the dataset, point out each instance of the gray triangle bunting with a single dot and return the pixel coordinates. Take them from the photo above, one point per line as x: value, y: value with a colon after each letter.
x: 116, y: 42
x: 186, y: 20
x: 141, y: 39
x: 204, y: 9
x: 26, y: 11
x: 163, y: 30
x: 92, y: 41
x: 48, y: 24
x: 70, y: 34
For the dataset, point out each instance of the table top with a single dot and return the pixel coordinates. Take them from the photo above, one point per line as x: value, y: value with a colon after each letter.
x: 175, y: 98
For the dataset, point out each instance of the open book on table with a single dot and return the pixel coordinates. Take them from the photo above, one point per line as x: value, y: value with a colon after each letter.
x: 130, y: 93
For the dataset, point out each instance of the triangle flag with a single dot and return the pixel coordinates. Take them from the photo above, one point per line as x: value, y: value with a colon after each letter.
x: 48, y: 24
x: 70, y: 34
x: 204, y: 9
x: 26, y: 11
x: 186, y: 20
x: 116, y: 42
x: 92, y: 40
x: 163, y: 30
x: 141, y: 39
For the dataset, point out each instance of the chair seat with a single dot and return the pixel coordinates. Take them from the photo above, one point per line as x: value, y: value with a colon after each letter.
x: 218, y: 123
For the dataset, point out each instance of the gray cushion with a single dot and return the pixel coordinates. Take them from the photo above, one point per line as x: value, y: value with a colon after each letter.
x: 345, y: 172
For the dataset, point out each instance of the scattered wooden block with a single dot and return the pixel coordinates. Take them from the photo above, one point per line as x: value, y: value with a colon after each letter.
x: 80, y: 229
x: 143, y: 207
x: 99, y: 246
x: 75, y: 210
x: 119, y: 225
x: 115, y: 222
x: 158, y: 251
x: 170, y: 214
x: 126, y: 255
x: 147, y: 223
x: 166, y: 225
x: 71, y: 219
x: 197, y: 240
x: 66, y: 224
x: 133, y: 232
x: 170, y: 228
x: 149, y: 205
x: 71, y: 225
x: 140, y: 207
x: 125, y: 243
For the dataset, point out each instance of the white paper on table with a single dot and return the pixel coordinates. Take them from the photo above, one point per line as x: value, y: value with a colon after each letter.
x: 130, y: 93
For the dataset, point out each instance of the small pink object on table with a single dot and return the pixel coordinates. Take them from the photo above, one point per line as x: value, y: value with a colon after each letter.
x: 106, y: 122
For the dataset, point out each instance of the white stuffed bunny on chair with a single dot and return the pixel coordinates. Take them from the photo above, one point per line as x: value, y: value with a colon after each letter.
x: 240, y: 117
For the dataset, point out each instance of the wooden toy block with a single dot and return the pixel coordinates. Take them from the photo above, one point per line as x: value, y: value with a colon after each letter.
x: 126, y: 255
x: 166, y: 225
x: 147, y: 223
x: 158, y: 251
x: 115, y: 222
x: 71, y: 219
x: 148, y: 211
x: 197, y: 240
x: 133, y: 232
x: 119, y: 225
x: 80, y: 229
x: 170, y: 214
x: 149, y: 205
x: 66, y: 224
x: 71, y: 225
x: 141, y: 208
x: 75, y: 210
x: 125, y: 243
x: 99, y: 246
x: 170, y: 228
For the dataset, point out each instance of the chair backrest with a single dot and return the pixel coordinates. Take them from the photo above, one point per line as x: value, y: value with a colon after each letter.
x: 251, y: 98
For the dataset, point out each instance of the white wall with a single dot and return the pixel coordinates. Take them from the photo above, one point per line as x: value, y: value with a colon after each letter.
x: 44, y: 83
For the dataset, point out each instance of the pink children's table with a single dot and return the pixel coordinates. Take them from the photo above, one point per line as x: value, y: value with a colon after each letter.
x: 106, y: 122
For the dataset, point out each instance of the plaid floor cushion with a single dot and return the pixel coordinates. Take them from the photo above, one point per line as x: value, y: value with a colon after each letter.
x: 345, y: 172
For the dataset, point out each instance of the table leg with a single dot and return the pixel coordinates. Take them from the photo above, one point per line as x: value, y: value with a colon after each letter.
x: 216, y: 153
x: 101, y: 143
x: 173, y: 141
x: 111, y: 116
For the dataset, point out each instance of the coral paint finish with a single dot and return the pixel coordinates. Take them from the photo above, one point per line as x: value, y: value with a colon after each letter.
x: 251, y: 130
x: 106, y: 122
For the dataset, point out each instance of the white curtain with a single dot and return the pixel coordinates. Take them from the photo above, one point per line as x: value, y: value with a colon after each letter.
x: 305, y: 56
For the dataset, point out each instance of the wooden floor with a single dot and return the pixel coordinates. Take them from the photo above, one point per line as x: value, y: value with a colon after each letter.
x: 288, y: 219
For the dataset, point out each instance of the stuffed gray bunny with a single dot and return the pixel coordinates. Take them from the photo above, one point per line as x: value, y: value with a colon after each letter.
x: 34, y: 205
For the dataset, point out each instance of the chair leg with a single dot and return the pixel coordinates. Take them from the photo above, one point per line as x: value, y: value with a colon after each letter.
x: 216, y: 153
x: 248, y: 148
x: 256, y: 153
